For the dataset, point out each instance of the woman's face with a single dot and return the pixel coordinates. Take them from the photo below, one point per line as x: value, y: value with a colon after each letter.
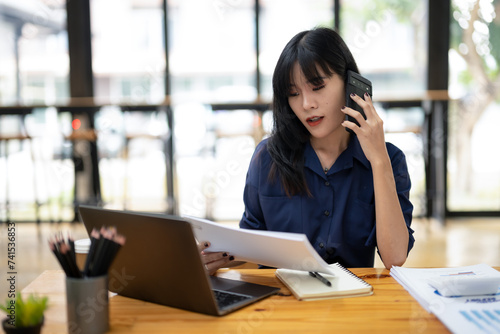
x: 318, y: 106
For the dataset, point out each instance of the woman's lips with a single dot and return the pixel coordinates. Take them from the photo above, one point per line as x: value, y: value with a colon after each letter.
x: 315, y: 120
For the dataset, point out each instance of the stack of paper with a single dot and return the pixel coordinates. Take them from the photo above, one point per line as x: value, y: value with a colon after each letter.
x: 459, y: 313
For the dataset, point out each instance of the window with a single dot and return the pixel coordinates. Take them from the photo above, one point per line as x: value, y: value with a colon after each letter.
x: 388, y: 41
x: 473, y: 161
x: 34, y: 62
x: 212, y: 47
x: 128, y: 54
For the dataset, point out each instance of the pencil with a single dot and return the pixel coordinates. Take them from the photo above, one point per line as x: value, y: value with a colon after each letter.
x: 115, y: 245
x: 94, y: 241
x: 71, y: 242
x: 98, y: 267
x: 104, y: 245
x: 54, y: 249
x: 72, y: 267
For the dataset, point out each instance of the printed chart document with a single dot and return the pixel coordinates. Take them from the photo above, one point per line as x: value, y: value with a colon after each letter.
x: 273, y: 249
x: 461, y: 314
x: 471, y: 317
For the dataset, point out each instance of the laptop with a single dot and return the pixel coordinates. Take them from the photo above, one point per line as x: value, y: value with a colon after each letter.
x: 160, y: 263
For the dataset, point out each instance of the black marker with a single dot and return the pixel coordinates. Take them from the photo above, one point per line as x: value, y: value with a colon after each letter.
x: 315, y: 274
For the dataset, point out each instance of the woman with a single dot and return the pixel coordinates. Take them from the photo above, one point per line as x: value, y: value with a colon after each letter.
x: 349, y: 193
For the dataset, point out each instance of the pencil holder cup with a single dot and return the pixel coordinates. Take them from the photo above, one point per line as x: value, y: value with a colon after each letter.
x: 87, y: 305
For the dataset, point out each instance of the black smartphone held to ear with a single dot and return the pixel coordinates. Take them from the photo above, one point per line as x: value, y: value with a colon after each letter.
x: 359, y: 85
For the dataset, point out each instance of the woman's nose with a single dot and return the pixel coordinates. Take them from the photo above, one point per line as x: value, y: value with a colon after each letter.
x: 309, y: 102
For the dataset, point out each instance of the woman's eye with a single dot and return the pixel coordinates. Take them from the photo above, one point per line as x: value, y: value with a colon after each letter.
x: 318, y: 87
x: 293, y: 94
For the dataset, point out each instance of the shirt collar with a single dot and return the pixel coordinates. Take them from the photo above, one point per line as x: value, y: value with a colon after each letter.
x: 344, y: 161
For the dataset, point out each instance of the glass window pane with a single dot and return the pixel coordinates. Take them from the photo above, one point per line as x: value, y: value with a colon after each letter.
x: 473, y: 168
x: 34, y: 63
x: 212, y: 50
x: 388, y: 41
x: 128, y: 54
x: 280, y: 20
x: 8, y: 60
x: 474, y: 114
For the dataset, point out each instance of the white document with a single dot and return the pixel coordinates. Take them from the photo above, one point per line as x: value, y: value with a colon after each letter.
x: 416, y: 282
x: 273, y: 249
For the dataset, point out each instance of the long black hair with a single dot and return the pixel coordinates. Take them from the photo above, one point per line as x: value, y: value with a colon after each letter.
x: 312, y: 49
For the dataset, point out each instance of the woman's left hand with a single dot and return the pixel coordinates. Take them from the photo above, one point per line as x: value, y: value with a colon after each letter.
x: 213, y: 260
x: 370, y: 132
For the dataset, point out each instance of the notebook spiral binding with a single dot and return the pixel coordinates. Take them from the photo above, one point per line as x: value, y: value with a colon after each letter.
x: 350, y: 273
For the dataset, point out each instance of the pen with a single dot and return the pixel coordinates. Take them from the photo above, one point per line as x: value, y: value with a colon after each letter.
x: 317, y: 275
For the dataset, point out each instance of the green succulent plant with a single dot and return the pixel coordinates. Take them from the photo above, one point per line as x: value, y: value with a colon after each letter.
x: 25, y: 312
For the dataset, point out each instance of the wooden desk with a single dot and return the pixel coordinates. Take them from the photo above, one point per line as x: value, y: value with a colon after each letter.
x: 389, y: 310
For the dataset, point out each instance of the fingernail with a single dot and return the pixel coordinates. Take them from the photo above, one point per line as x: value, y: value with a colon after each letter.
x: 231, y: 258
x: 342, y: 108
x: 367, y: 95
x: 352, y: 94
x: 224, y: 254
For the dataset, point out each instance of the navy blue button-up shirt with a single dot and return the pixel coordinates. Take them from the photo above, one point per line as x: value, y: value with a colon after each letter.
x: 339, y: 217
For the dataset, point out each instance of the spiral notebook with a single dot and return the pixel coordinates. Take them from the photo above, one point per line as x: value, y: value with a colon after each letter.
x: 343, y: 284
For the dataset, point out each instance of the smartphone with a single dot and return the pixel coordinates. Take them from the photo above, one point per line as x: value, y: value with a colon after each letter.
x: 359, y: 85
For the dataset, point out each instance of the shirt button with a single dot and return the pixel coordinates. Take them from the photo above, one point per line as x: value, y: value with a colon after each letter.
x: 321, y: 245
x: 327, y: 183
x: 327, y: 213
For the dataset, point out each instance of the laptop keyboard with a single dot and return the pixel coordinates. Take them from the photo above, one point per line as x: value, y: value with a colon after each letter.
x: 225, y: 299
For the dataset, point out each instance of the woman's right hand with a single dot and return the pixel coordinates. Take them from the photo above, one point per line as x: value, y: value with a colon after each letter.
x: 213, y: 260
